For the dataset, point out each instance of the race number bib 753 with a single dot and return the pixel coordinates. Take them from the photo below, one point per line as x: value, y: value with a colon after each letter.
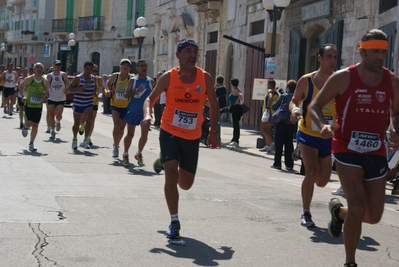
x: 363, y: 142
x: 185, y: 120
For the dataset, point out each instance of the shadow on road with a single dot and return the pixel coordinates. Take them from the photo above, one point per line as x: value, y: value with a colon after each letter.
x: 26, y: 152
x: 321, y: 235
x: 201, y: 253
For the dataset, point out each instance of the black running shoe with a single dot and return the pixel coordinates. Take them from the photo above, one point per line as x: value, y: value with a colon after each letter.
x: 335, y: 225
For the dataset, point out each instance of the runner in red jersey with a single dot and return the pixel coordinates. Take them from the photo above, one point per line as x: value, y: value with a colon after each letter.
x: 364, y: 94
x: 186, y: 87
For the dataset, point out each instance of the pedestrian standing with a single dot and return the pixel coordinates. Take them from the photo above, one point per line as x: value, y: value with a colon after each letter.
x: 235, y: 98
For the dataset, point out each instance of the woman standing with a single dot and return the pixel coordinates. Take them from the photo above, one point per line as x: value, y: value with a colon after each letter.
x: 236, y: 111
x: 285, y: 131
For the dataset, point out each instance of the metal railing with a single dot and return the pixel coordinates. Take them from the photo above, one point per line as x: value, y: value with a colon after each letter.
x: 92, y: 23
x: 63, y: 25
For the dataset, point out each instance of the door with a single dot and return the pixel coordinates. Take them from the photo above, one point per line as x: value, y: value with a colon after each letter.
x: 254, y: 69
x: 334, y: 35
x: 390, y: 30
x: 297, y: 54
x: 210, y: 62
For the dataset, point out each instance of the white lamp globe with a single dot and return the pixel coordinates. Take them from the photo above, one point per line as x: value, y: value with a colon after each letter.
x: 71, y: 35
x: 141, y: 21
x: 268, y: 4
x: 136, y: 32
x: 71, y: 43
x: 282, y: 3
x: 143, y: 32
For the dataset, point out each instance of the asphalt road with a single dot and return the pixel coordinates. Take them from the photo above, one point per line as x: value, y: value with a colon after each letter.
x: 83, y: 208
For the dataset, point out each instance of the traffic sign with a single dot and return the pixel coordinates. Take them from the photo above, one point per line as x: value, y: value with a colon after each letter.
x: 32, y: 60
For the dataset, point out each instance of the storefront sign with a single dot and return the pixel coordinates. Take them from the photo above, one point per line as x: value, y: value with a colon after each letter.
x: 46, y: 50
x: 315, y: 10
x: 64, y: 47
x: 260, y: 89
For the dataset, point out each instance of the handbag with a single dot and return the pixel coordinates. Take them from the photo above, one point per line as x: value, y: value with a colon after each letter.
x: 280, y: 115
x: 245, y: 108
x: 265, y: 116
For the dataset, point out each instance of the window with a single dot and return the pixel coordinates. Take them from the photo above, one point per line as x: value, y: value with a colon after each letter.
x: 212, y: 37
x: 387, y: 4
x: 257, y: 27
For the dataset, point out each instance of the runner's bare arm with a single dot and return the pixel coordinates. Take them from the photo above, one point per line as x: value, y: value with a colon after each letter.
x: 22, y: 85
x: 74, y: 86
x: 161, y: 86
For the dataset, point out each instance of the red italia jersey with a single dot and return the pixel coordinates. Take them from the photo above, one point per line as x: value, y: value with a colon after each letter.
x: 362, y: 113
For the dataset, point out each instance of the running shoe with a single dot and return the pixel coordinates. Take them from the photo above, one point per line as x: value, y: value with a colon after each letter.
x: 233, y: 143
x: 173, y: 231
x: 89, y: 140
x: 139, y: 158
x: 306, y: 219
x: 21, y: 125
x: 335, y: 225
x: 32, y: 147
x: 125, y: 161
x: 115, y: 152
x: 52, y: 136
x: 350, y: 265
x: 10, y: 113
x: 81, y: 130
x: 157, y: 166
x: 85, y: 144
x: 58, y: 126
x: 265, y: 149
x: 24, y: 132
x: 338, y: 192
x: 48, y: 130
x: 74, y: 144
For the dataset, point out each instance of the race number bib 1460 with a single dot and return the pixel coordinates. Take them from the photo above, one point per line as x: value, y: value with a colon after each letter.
x: 185, y: 120
x: 363, y: 142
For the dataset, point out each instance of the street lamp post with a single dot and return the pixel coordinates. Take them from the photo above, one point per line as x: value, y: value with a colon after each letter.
x: 140, y: 32
x: 275, y: 9
x: 71, y: 44
x: 3, y: 48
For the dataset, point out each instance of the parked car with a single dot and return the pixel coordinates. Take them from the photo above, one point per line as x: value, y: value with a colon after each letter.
x: 69, y: 97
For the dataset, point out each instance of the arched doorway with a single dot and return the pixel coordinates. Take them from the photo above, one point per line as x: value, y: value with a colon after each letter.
x: 95, y: 57
x: 315, y: 44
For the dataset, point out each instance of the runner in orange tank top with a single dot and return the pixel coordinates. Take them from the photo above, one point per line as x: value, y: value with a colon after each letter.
x: 186, y: 87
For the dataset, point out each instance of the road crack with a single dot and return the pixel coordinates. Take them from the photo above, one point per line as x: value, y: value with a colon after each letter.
x: 40, y: 245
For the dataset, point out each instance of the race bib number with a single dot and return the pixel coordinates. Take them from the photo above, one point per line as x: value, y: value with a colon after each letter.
x: 35, y: 99
x: 57, y: 88
x: 364, y: 142
x: 328, y: 119
x: 185, y: 120
x: 120, y: 95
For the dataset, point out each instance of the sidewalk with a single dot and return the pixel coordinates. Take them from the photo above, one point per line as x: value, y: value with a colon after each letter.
x: 248, y: 139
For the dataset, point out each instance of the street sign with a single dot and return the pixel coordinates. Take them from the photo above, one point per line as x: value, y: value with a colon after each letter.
x: 260, y: 89
x: 46, y: 50
x: 32, y: 60
x: 270, y: 67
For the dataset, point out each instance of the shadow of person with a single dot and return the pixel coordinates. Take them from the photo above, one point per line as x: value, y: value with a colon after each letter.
x: 201, y: 253
x: 321, y: 235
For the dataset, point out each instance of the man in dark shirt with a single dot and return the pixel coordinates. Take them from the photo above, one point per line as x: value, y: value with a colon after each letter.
x: 221, y: 93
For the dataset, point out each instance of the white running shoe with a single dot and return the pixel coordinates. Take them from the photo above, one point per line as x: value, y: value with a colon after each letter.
x: 52, y: 136
x: 74, y: 144
x: 24, y: 132
x: 58, y: 126
x: 85, y: 144
x: 32, y: 147
x: 115, y: 152
x: 339, y: 192
x: 265, y: 149
x: 233, y: 143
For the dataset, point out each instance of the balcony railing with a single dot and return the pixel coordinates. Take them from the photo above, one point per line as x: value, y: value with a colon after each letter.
x: 31, y: 5
x: 92, y: 23
x: 63, y: 25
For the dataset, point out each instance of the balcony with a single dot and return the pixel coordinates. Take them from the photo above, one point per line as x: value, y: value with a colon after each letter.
x: 63, y: 27
x: 31, y: 5
x: 91, y: 26
x: 4, y: 26
x: 15, y: 2
x: 206, y: 5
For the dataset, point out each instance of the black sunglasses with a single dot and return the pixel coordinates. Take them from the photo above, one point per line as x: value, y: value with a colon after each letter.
x: 57, y: 64
x: 94, y: 71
